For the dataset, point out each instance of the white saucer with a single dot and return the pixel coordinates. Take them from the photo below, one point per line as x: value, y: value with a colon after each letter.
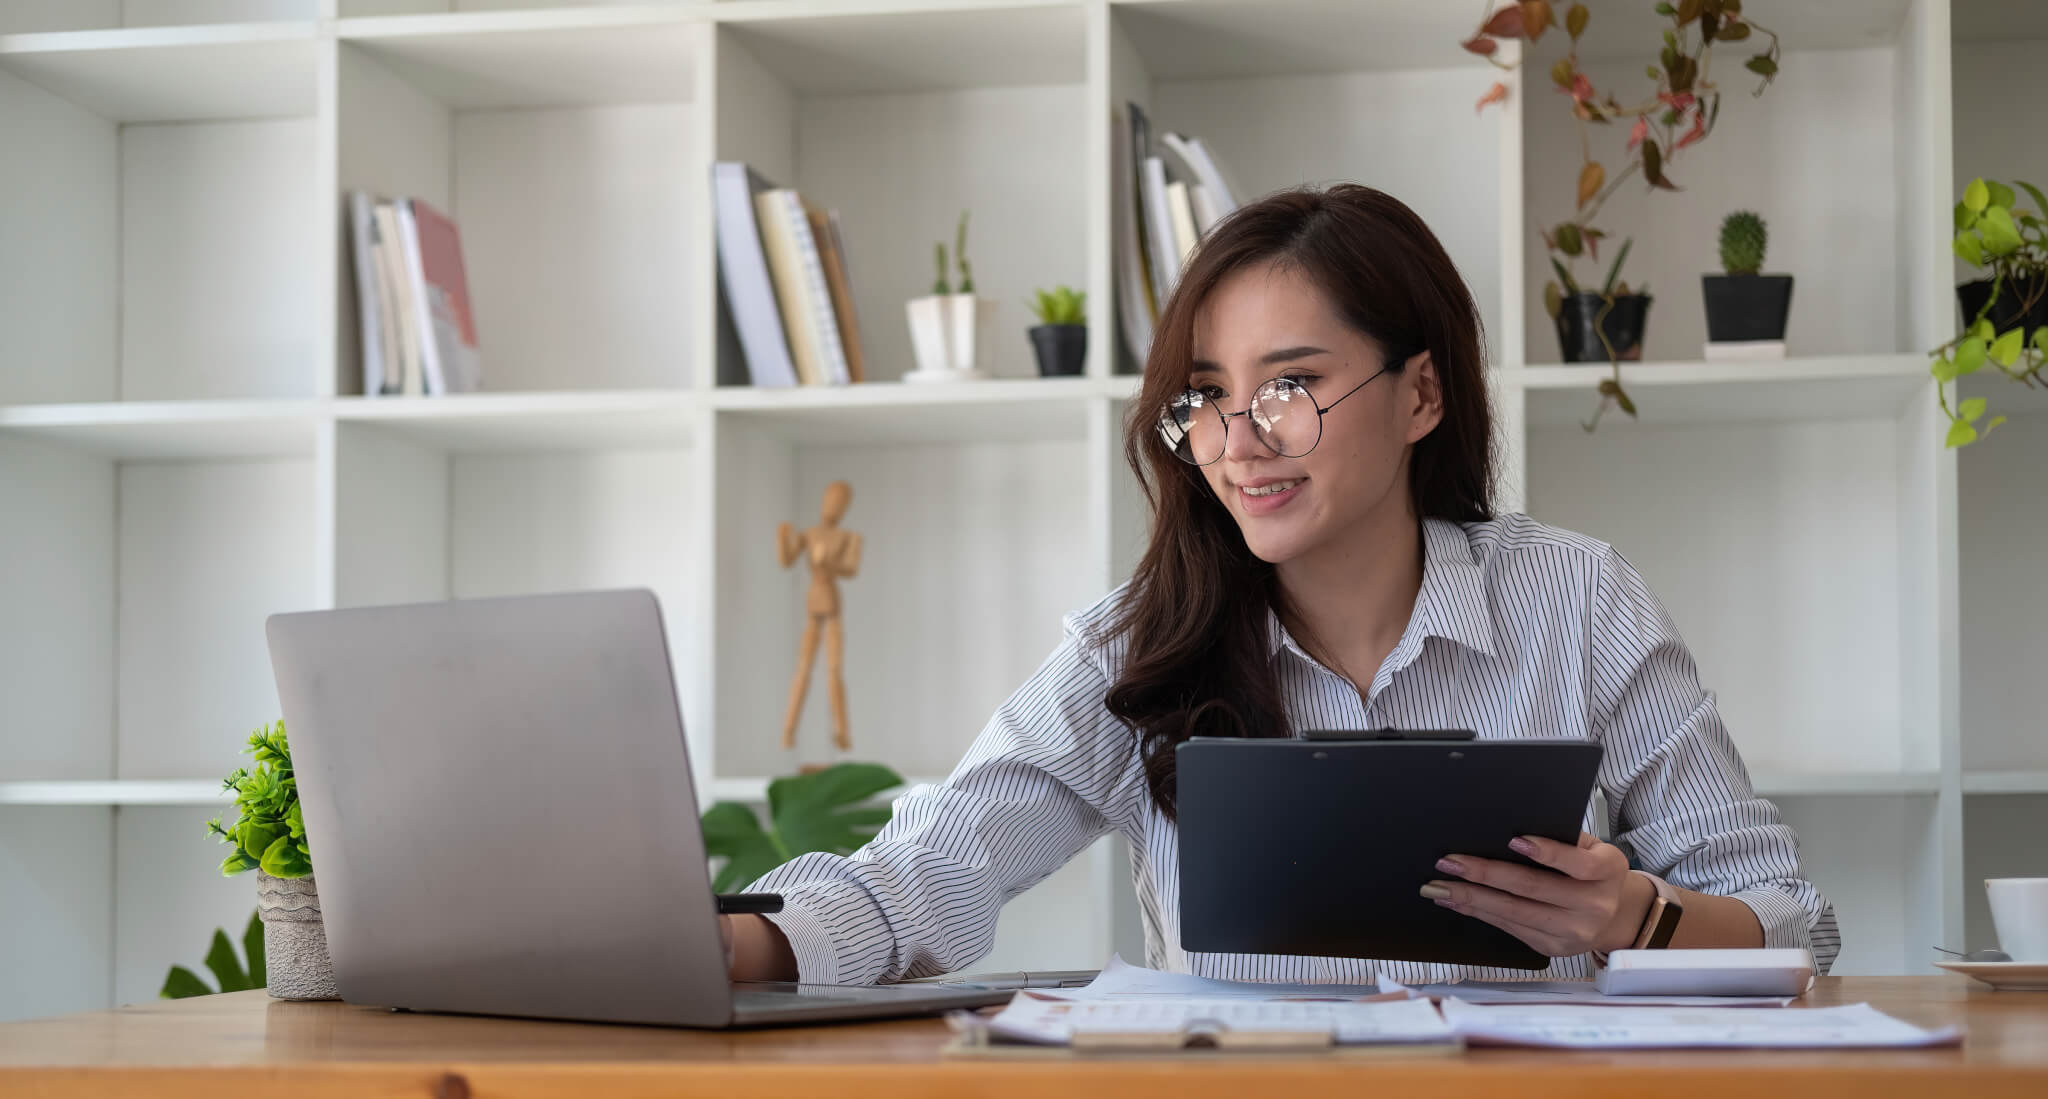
x: 2012, y: 976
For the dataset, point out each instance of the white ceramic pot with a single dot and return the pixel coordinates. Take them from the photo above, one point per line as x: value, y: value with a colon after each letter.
x: 294, y: 939
x: 944, y: 336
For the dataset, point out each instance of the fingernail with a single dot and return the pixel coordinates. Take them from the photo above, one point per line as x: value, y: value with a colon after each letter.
x: 1451, y: 866
x: 1522, y: 847
x: 1436, y: 891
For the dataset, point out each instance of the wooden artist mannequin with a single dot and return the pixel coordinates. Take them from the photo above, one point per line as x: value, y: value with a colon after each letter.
x: 834, y: 554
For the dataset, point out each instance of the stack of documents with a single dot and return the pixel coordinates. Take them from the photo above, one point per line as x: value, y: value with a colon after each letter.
x: 1132, y: 1009
x: 1855, y: 1026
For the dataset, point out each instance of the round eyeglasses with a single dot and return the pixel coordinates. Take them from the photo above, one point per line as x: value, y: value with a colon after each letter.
x: 1283, y: 415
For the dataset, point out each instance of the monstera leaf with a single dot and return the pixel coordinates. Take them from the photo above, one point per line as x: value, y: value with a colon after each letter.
x: 226, y: 968
x: 826, y: 810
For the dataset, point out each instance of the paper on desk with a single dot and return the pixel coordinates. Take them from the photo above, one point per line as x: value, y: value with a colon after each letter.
x: 1579, y: 1027
x: 1045, y: 1017
x: 1579, y: 993
x: 1121, y: 980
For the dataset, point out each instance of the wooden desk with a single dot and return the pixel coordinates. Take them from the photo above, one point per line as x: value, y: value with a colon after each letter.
x: 244, y: 1043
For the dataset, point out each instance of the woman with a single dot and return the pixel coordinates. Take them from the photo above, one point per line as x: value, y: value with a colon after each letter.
x: 1314, y: 435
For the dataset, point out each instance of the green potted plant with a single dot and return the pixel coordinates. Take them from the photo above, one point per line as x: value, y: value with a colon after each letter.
x: 2005, y: 314
x: 945, y: 322
x: 1678, y: 113
x: 269, y: 837
x: 1598, y: 326
x: 823, y: 810
x: 1061, y: 335
x: 1744, y: 305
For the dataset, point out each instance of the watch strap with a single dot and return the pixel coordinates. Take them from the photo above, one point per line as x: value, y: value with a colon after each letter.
x: 1661, y: 921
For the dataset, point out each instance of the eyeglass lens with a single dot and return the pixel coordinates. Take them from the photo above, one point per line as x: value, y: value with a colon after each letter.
x: 1282, y: 414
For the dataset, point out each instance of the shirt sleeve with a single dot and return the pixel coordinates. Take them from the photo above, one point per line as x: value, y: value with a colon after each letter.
x: 1682, y: 797
x: 1052, y: 770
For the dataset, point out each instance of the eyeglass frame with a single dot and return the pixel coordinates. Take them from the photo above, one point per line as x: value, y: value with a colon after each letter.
x: 1166, y: 412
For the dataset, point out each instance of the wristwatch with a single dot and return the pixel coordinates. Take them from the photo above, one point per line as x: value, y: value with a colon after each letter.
x: 1659, y: 923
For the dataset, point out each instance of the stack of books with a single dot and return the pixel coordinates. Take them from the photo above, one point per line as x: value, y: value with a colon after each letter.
x: 412, y: 299
x: 782, y: 263
x: 1168, y: 198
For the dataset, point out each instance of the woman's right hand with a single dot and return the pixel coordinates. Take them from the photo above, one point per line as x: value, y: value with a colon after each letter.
x: 755, y: 949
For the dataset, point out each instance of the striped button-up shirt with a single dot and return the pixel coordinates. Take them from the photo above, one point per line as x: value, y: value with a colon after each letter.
x: 1519, y: 630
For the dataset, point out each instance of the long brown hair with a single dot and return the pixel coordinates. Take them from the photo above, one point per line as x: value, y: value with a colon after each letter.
x: 1197, y: 657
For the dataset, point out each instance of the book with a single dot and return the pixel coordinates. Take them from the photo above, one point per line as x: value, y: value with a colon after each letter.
x: 1135, y: 308
x: 1201, y: 167
x: 750, y: 300
x: 362, y: 218
x: 1206, y: 214
x: 1159, y: 226
x: 402, y: 345
x: 1185, y: 235
x: 440, y: 288
x: 800, y: 288
x: 832, y: 249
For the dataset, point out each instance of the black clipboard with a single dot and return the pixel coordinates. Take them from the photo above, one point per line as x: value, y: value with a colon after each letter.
x: 1321, y: 845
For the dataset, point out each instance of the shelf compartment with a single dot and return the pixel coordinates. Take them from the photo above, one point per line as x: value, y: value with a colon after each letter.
x: 1785, y: 605
x: 569, y: 161
x: 972, y: 549
x: 1294, y: 93
x: 140, y: 263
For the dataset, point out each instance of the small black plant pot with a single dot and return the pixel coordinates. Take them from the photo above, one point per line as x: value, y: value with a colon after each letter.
x: 1623, y: 326
x: 1062, y: 348
x: 1746, y: 307
x: 2005, y: 312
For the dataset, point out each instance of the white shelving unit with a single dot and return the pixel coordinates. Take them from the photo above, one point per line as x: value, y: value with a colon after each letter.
x: 184, y: 448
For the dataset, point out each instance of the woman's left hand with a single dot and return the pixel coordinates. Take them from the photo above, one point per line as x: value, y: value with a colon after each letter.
x: 1592, y: 902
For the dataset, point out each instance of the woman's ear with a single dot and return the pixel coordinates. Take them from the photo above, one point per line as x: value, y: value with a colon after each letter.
x: 1426, y: 407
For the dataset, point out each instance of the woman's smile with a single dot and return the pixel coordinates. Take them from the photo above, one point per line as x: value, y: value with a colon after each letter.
x: 1266, y: 495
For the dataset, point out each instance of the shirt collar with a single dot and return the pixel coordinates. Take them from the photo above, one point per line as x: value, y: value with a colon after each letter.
x: 1450, y: 605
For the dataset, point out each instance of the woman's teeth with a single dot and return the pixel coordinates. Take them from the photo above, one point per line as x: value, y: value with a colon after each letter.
x: 1273, y: 489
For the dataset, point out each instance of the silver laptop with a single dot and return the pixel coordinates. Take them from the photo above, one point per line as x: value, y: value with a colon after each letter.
x: 499, y: 804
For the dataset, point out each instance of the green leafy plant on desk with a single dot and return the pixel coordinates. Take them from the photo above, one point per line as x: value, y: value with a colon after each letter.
x: 268, y: 832
x: 221, y: 961
x: 268, y: 836
x: 825, y: 810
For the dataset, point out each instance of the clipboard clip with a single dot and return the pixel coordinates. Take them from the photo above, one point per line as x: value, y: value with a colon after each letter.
x: 1388, y: 733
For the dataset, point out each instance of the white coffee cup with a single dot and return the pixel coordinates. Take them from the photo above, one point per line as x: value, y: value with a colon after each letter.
x: 2019, y: 910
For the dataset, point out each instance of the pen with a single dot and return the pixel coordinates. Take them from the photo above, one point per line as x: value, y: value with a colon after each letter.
x: 736, y: 904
